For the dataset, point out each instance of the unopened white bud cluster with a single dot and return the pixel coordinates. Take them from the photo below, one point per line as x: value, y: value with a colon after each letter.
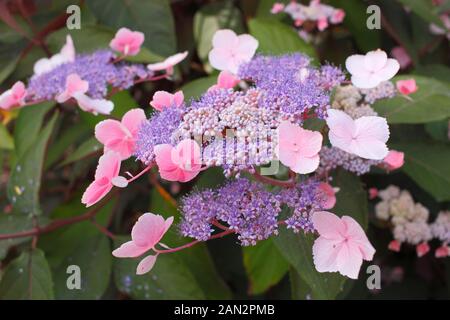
x: 409, y: 219
x: 349, y: 99
x: 441, y: 227
x: 384, y: 90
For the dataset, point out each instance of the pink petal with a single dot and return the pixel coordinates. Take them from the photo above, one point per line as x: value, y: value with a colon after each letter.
x: 146, y: 264
x: 375, y: 60
x: 161, y: 100
x: 401, y: 56
x: 305, y: 165
x: 95, y: 106
x: 442, y: 252
x: 95, y: 192
x: 366, y: 82
x: 129, y: 250
x: 322, y: 24
x: 187, y: 155
x: 227, y: 80
x: 394, y: 159
x: 356, y: 235
x: 329, y: 195
x: 163, y: 157
x: 370, y: 137
x: 277, y: 8
x: 394, y: 245
x: 389, y: 71
x: 108, y: 166
x: 247, y: 47
x: 342, y: 128
x: 178, y: 98
x: 220, y: 58
x: 18, y: 91
x: 422, y: 249
x: 225, y: 38
x: 74, y: 85
x: 68, y: 50
x: 325, y: 252
x: 148, y: 230
x: 329, y: 225
x: 406, y: 86
x: 133, y: 119
x: 349, y: 260
x: 338, y: 16
x: 168, y: 63
x: 127, y: 42
x: 355, y: 65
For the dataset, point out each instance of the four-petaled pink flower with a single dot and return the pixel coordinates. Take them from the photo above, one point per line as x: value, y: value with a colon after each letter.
x: 403, y: 58
x: 337, y: 16
x: 406, y: 87
x: 120, y: 136
x: 168, y: 63
x: 225, y: 80
x: 163, y: 99
x: 13, y: 97
x: 299, y: 148
x: 442, y: 252
x: 366, y: 136
x: 181, y: 163
x: 422, y: 249
x: 342, y: 245
x: 394, y: 245
x: 369, y: 70
x: 277, y: 8
x: 76, y: 88
x: 394, y: 160
x: 230, y: 50
x: 328, y: 194
x: 106, y: 176
x: 146, y: 233
x: 127, y: 42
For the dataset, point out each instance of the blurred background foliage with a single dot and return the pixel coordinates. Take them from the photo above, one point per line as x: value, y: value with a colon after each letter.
x: 48, y: 158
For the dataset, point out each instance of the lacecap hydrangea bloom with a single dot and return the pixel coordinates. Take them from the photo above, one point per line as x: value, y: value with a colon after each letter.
x: 253, y: 118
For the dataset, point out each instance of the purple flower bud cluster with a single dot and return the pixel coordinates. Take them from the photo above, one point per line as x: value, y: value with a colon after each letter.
x: 304, y: 199
x: 157, y: 130
x: 247, y: 208
x: 331, y: 158
x: 289, y: 85
x: 384, y: 90
x: 96, y: 68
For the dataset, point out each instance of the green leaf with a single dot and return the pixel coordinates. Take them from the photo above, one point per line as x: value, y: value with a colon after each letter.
x: 212, y: 17
x: 431, y: 102
x: 6, y: 141
x: 351, y: 200
x: 438, y: 130
x: 83, y: 245
x: 28, y: 125
x: 123, y: 102
x: 17, y: 284
x: 13, y: 223
x: 87, y: 148
x: 196, y: 88
x: 428, y: 165
x: 264, y: 264
x: 152, y: 17
x: 9, y: 56
x: 355, y: 21
x: 424, y: 9
x: 25, y: 180
x: 277, y: 38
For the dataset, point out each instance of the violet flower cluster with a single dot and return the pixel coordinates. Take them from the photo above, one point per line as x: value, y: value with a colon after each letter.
x: 96, y: 68
x: 249, y: 210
